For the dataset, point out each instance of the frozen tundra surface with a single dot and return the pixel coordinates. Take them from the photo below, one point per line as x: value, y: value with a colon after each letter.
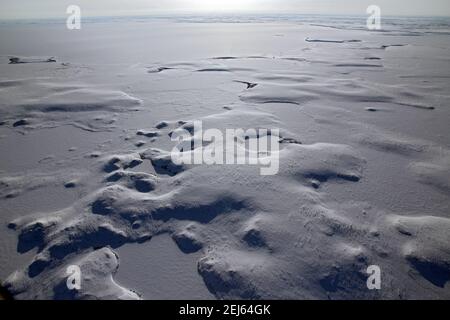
x: 86, y: 176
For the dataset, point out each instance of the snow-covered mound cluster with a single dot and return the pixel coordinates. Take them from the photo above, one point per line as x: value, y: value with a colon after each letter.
x: 261, y: 236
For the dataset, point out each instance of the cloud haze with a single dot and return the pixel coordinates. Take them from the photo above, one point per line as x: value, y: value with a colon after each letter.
x: 56, y: 8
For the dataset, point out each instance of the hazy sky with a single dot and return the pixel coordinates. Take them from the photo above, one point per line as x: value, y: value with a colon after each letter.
x: 57, y: 8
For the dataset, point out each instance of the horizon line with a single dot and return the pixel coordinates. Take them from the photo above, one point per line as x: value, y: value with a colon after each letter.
x: 223, y: 14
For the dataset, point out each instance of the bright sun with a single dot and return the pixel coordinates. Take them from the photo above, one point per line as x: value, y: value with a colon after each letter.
x: 225, y: 5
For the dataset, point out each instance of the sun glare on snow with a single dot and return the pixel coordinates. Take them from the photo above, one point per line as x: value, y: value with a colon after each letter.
x: 225, y: 5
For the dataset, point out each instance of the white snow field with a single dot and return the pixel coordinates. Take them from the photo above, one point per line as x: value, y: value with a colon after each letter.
x: 86, y: 177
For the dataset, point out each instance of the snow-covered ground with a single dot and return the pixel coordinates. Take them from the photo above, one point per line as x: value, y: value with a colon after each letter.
x: 86, y: 176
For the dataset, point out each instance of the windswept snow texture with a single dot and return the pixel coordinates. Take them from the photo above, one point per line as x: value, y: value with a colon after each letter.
x: 86, y: 172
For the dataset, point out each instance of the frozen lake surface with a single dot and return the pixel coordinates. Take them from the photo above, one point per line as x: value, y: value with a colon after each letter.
x: 360, y: 118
